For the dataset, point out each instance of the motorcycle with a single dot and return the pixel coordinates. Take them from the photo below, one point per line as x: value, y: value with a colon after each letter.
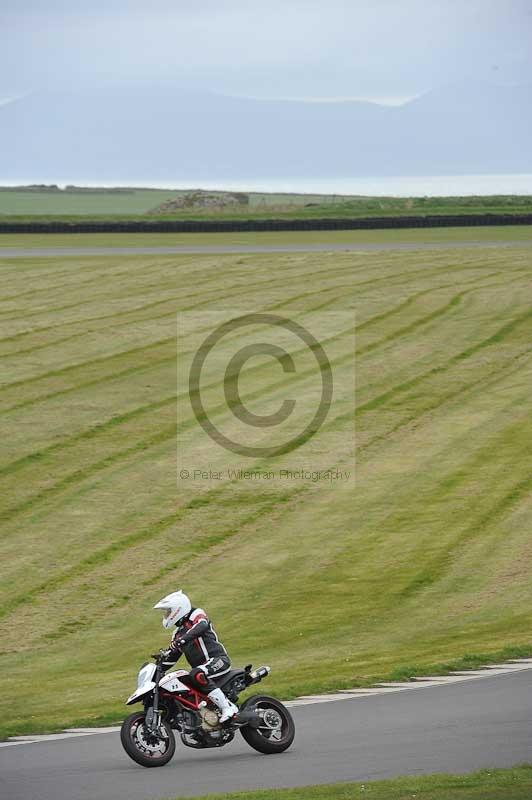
x: 169, y: 705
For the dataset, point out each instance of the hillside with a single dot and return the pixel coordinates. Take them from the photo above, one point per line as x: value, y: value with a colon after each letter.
x: 420, y: 557
x: 163, y: 134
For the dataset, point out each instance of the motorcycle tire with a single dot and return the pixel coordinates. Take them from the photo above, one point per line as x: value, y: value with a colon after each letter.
x: 272, y: 740
x: 135, y: 741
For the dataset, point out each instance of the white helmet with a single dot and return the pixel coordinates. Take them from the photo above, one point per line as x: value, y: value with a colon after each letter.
x: 176, y: 606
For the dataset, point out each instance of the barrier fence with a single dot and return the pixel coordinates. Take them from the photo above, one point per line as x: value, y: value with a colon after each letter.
x: 241, y: 226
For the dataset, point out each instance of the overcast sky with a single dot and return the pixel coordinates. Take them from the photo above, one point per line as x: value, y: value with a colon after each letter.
x: 389, y: 49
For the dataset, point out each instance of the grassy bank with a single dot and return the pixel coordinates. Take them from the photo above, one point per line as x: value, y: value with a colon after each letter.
x: 493, y: 784
x: 406, y: 236
x: 421, y: 558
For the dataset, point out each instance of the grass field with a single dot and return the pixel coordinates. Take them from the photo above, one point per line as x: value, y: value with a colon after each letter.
x: 422, y: 559
x: 496, y: 233
x: 54, y: 205
x: 80, y: 204
x: 139, y: 201
x: 496, y: 784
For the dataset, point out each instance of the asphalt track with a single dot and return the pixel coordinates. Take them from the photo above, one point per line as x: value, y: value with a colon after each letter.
x: 44, y: 252
x: 451, y: 728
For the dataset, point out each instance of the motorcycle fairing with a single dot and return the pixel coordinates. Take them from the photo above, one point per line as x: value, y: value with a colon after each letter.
x: 145, y: 682
x: 171, y: 682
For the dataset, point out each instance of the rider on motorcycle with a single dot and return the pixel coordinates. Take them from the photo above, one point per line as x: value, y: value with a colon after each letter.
x: 196, y: 639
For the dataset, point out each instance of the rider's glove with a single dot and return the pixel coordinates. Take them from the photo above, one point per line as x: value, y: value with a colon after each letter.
x: 179, y: 642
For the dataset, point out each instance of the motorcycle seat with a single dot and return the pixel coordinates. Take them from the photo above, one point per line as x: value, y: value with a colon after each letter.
x: 229, y: 676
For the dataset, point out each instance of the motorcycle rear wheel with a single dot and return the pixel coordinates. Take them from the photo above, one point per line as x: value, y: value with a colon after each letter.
x: 142, y: 746
x: 278, y: 731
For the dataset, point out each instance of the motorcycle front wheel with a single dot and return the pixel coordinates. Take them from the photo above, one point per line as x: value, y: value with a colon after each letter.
x: 143, y: 746
x: 276, y: 732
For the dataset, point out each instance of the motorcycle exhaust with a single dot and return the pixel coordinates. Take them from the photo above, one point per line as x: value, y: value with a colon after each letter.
x: 258, y: 674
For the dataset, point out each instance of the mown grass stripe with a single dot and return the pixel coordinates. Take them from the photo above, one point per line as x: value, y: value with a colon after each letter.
x: 75, y: 283
x: 87, y: 434
x: 140, y: 291
x: 144, y: 534
x: 210, y: 497
x: 214, y: 496
x: 87, y: 472
x: 129, y: 371
x: 151, y: 441
x: 439, y: 566
x: 405, y: 386
x: 221, y: 409
x: 231, y: 293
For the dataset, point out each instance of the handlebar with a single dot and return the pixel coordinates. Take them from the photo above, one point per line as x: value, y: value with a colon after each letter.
x: 156, y: 656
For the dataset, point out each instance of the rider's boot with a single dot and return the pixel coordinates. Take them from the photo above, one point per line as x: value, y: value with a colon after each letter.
x: 227, y: 708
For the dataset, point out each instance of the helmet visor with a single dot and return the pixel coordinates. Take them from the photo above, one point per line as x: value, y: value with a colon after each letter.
x: 166, y: 612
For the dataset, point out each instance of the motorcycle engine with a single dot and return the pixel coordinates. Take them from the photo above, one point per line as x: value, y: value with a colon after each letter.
x: 209, y: 719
